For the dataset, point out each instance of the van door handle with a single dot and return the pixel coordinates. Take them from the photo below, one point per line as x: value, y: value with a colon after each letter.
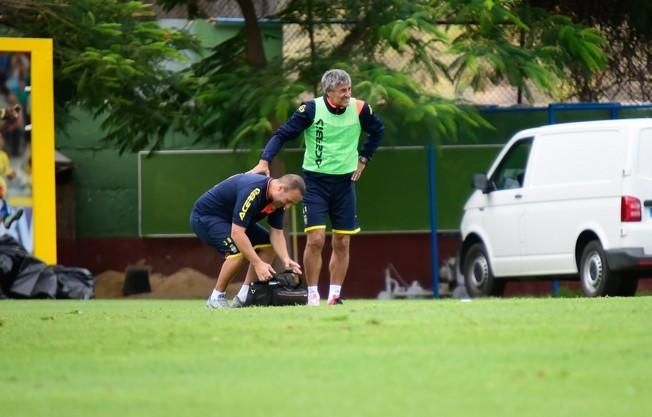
x: 518, y: 196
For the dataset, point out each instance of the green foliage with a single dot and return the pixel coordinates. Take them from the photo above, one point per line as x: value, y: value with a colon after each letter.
x: 409, y: 112
x: 193, y: 7
x: 517, y: 44
x: 636, y: 14
x: 482, y: 40
x: 111, y: 58
x: 238, y: 104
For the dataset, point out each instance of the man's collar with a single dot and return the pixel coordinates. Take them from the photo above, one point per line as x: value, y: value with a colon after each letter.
x: 332, y: 108
x: 268, y: 196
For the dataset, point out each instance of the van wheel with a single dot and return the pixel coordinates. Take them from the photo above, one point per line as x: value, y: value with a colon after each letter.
x: 628, y: 286
x: 478, y: 278
x: 596, y: 278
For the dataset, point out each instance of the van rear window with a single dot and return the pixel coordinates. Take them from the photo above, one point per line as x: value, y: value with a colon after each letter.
x: 645, y: 154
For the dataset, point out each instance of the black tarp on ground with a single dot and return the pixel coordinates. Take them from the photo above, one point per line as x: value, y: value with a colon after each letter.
x: 24, y: 276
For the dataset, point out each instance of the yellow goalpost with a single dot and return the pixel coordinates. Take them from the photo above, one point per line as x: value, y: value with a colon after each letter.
x: 43, y: 202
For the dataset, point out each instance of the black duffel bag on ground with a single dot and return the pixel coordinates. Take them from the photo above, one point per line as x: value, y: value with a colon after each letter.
x: 284, y: 289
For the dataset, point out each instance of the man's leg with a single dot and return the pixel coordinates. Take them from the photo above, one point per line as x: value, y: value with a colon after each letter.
x: 312, y: 262
x: 315, y: 210
x: 267, y: 255
x: 339, y: 265
x: 345, y: 223
x: 230, y: 267
x: 215, y: 232
x: 259, y: 238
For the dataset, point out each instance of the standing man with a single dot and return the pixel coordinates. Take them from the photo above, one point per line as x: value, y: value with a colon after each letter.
x: 331, y: 126
x: 225, y: 217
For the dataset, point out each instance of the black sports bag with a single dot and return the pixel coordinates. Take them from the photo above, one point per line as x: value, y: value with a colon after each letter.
x: 284, y: 289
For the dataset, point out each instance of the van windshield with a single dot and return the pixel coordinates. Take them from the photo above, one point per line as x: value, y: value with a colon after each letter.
x: 511, y: 171
x: 645, y: 154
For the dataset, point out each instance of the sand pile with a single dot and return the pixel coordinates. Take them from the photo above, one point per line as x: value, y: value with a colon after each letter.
x: 185, y: 283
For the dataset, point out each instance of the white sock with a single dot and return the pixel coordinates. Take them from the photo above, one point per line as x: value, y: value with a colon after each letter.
x: 216, y: 293
x: 313, y: 290
x: 242, y: 294
x: 334, y: 291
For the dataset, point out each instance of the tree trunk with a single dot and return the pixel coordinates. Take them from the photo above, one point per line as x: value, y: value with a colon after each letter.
x: 255, y: 52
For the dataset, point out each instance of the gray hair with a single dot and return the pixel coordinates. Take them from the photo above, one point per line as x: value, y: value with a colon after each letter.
x: 333, y: 78
x: 293, y: 182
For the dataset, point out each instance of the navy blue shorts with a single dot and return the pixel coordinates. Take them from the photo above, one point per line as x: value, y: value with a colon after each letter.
x: 332, y: 195
x: 216, y: 232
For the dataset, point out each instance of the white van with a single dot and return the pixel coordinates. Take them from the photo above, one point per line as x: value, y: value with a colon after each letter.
x: 566, y: 201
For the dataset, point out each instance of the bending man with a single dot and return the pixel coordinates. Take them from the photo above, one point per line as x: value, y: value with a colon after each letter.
x: 226, y: 218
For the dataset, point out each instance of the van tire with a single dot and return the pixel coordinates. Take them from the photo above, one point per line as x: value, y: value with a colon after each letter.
x: 479, y: 280
x: 596, y: 278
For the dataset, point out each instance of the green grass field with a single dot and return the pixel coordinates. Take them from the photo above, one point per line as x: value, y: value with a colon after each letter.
x: 503, y: 357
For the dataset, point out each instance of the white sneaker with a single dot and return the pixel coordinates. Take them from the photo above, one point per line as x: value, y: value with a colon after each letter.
x: 237, y: 303
x: 219, y: 301
x: 313, y: 299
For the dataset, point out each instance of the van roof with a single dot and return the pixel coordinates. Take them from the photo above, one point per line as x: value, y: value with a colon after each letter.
x: 618, y: 123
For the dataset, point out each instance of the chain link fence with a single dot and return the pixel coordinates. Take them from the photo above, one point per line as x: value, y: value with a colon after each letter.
x: 611, y: 85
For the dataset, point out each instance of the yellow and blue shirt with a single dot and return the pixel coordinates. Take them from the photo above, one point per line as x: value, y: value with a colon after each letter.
x: 240, y: 199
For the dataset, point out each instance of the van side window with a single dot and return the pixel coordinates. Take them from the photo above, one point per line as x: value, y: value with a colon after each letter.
x: 511, y: 171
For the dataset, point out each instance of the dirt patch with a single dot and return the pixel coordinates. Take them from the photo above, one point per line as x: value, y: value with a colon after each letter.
x: 185, y: 283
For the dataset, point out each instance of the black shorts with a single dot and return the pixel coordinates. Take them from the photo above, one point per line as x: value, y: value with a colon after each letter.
x: 332, y: 195
x: 216, y: 232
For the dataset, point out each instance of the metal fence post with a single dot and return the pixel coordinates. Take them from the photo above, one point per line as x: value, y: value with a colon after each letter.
x: 434, y: 244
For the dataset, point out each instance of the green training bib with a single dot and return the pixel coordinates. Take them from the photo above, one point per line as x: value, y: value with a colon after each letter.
x: 332, y: 140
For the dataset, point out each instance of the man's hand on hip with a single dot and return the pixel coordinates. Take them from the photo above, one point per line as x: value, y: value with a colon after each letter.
x: 358, y: 172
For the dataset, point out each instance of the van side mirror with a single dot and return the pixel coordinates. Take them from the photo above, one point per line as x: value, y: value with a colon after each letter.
x: 480, y: 182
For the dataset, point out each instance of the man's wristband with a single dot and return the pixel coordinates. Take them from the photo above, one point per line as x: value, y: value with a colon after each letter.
x: 363, y: 159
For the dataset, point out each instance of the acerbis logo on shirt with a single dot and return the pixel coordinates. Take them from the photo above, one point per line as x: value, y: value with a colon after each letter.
x: 319, y: 138
x: 248, y: 201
